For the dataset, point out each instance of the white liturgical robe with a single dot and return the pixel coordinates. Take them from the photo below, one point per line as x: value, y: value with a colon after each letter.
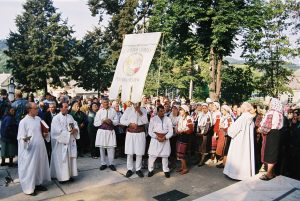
x: 33, y: 165
x: 240, y: 159
x: 64, y: 149
x: 158, y: 125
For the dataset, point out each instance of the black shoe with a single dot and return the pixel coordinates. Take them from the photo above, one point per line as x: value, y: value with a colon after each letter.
x: 139, y: 173
x: 103, y: 167
x: 40, y: 188
x: 112, y: 167
x: 33, y: 194
x: 150, y: 174
x: 3, y: 164
x: 71, y: 179
x: 129, y: 173
x: 167, y: 174
x: 220, y: 165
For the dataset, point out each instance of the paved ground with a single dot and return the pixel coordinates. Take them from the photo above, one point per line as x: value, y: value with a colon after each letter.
x: 93, y: 184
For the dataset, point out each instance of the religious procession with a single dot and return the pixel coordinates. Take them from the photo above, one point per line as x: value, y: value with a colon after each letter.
x: 150, y: 100
x: 242, y: 140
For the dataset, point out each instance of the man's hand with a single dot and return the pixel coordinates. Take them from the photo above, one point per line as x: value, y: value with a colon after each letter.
x: 138, y: 110
x: 133, y: 125
x: 107, y: 121
x: 26, y: 139
x: 74, y: 131
x: 45, y: 135
x: 82, y: 125
x: 161, y: 139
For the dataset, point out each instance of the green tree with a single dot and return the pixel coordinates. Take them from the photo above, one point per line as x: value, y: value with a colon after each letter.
x: 267, y: 47
x: 237, y: 84
x: 125, y: 18
x: 92, y: 72
x: 42, y: 49
x: 203, y: 30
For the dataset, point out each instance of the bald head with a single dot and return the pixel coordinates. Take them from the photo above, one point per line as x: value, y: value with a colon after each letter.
x: 32, y: 109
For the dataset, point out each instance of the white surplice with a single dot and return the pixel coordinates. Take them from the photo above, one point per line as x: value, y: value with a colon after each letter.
x: 106, y: 138
x: 33, y: 165
x: 240, y: 159
x: 64, y: 149
x: 135, y: 143
x: 158, y: 125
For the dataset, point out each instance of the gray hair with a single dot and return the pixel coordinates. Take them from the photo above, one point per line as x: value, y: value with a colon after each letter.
x: 246, y: 107
x: 52, y: 104
x: 29, y: 106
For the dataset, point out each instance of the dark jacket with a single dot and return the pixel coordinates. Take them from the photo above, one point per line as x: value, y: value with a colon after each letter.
x: 9, y: 129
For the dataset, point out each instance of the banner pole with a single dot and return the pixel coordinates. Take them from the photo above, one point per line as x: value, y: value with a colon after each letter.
x: 159, y: 67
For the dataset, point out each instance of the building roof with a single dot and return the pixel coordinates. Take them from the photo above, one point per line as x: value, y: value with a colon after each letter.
x: 295, y: 82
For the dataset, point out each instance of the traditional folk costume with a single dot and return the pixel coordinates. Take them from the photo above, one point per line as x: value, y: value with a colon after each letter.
x: 135, y: 141
x: 222, y: 132
x: 63, y: 163
x: 240, y: 163
x: 204, y: 125
x: 106, y: 137
x: 270, y: 128
x: 160, y: 128
x: 33, y: 166
x: 216, y: 117
x: 185, y: 128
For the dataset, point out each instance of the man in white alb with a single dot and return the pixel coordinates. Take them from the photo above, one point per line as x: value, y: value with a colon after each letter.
x: 64, y: 132
x: 33, y: 166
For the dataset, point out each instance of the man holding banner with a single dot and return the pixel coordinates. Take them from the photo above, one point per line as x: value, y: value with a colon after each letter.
x: 135, y: 118
x: 130, y: 76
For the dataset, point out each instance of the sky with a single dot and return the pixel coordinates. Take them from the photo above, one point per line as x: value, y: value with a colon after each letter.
x: 77, y: 13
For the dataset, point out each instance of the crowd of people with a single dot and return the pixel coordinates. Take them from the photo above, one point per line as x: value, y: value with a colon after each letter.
x: 49, y: 134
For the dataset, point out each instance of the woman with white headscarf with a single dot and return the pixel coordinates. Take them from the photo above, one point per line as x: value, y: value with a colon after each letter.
x: 222, y: 132
x: 240, y: 159
x: 270, y: 128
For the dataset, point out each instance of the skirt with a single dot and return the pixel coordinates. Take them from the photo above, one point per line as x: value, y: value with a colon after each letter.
x: 8, y: 149
x: 106, y: 139
x: 182, y: 145
x: 135, y: 143
x: 270, y: 147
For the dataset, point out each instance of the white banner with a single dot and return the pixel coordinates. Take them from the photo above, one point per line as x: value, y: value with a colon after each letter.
x: 133, y: 65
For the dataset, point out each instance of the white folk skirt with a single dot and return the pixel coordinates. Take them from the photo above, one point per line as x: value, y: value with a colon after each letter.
x: 106, y: 138
x: 159, y: 149
x: 135, y: 143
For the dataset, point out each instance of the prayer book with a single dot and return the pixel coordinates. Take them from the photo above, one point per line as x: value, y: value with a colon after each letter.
x: 44, y: 127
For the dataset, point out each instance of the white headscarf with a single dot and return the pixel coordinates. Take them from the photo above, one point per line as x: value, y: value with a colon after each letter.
x: 276, y: 110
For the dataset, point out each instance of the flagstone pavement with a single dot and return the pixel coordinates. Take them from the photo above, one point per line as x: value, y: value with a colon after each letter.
x: 202, y: 183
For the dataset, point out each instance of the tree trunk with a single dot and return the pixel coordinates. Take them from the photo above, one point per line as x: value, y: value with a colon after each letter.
x: 191, y: 81
x: 212, y: 85
x: 218, y: 80
x: 45, y: 86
